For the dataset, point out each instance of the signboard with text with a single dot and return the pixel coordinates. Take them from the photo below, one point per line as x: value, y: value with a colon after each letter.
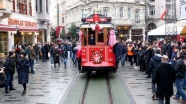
x: 21, y: 23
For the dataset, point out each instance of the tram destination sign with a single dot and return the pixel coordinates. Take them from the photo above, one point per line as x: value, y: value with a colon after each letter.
x: 99, y: 20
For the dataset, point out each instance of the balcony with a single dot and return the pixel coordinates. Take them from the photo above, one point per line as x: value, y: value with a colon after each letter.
x: 5, y: 8
x: 42, y: 17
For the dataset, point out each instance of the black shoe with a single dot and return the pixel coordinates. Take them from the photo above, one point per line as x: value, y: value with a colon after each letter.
x: 59, y: 64
x: 11, y: 89
x: 145, y: 74
x: 6, y: 91
x: 33, y: 72
x: 24, y: 92
x: 148, y: 77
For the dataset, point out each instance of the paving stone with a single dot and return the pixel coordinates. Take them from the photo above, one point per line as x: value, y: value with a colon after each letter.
x: 47, y: 86
x: 138, y: 85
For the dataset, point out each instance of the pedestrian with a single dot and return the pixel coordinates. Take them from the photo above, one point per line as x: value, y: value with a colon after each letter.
x: 43, y: 50
x: 164, y: 48
x: 65, y: 55
x: 130, y: 53
x: 9, y: 72
x: 180, y: 76
x: 56, y: 56
x: 164, y: 77
x: 117, y: 49
x: 52, y: 54
x: 123, y: 54
x: 149, y: 53
x: 154, y: 62
x: 36, y: 49
x: 23, y: 68
x: 141, y: 59
x: 32, y: 59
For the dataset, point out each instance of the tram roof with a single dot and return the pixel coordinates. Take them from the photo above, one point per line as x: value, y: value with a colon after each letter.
x: 92, y: 25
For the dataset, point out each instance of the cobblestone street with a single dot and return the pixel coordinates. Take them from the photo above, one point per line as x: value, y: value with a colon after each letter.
x: 47, y: 86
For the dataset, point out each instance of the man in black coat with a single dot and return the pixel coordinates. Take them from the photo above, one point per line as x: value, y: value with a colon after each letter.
x: 117, y: 49
x: 154, y: 62
x: 164, y: 77
x: 9, y: 71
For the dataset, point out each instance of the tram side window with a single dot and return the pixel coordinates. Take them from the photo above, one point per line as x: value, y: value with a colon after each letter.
x: 100, y: 37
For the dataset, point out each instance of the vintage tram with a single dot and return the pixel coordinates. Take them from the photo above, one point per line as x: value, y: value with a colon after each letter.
x: 96, y: 53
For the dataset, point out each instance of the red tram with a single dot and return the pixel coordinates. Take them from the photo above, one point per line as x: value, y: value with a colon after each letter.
x: 96, y: 53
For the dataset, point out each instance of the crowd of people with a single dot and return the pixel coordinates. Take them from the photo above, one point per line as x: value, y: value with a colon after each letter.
x: 163, y: 62
x: 24, y: 56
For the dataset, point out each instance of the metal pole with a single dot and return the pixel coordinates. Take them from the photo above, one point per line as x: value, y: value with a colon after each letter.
x: 58, y: 16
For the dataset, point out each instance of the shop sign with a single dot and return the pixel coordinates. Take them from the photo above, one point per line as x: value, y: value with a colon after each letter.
x: 21, y: 23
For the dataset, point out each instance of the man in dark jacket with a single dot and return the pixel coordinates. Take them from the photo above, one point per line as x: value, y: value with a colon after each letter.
x: 164, y: 48
x: 164, y: 77
x: 9, y: 71
x: 180, y: 75
x: 117, y: 49
x: 43, y: 53
x: 149, y: 53
x: 154, y: 62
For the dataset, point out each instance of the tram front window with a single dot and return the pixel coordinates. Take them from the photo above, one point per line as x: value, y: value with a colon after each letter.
x: 100, y: 37
x: 91, y: 39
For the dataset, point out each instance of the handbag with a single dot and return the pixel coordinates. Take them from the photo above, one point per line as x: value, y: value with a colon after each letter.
x: 2, y: 80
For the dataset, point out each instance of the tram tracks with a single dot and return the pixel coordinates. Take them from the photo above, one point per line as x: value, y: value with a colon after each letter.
x: 86, y: 88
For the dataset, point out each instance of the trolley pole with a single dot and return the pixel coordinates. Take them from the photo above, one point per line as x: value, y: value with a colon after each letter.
x: 58, y: 16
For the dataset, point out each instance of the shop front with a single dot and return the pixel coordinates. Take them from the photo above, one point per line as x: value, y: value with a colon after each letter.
x: 137, y: 34
x: 17, y: 28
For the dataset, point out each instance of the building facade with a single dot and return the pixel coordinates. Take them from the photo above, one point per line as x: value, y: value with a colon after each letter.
x: 43, y: 20
x: 183, y: 10
x: 17, y: 23
x: 155, y: 9
x: 127, y: 16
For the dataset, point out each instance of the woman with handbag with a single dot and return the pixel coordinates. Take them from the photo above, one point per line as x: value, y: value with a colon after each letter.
x: 23, y: 68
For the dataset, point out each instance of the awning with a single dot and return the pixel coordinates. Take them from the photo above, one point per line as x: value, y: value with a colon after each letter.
x: 183, y: 32
x: 181, y: 23
x: 28, y: 29
x: 7, y: 28
x: 58, y: 29
x: 161, y: 30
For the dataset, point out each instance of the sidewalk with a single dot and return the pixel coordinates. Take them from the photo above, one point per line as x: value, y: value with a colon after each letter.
x: 138, y: 85
x: 47, y: 86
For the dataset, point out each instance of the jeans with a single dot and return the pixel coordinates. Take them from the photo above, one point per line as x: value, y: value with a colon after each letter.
x: 61, y: 57
x: 32, y: 65
x: 74, y: 58
x: 37, y: 57
x: 52, y: 60
x: 161, y: 100
x: 180, y: 90
x: 65, y: 61
x: 123, y: 56
x: 9, y: 80
x: 43, y: 57
x: 153, y: 88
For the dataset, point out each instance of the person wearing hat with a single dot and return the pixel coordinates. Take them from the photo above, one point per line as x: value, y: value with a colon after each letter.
x: 9, y: 72
x: 23, y: 69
